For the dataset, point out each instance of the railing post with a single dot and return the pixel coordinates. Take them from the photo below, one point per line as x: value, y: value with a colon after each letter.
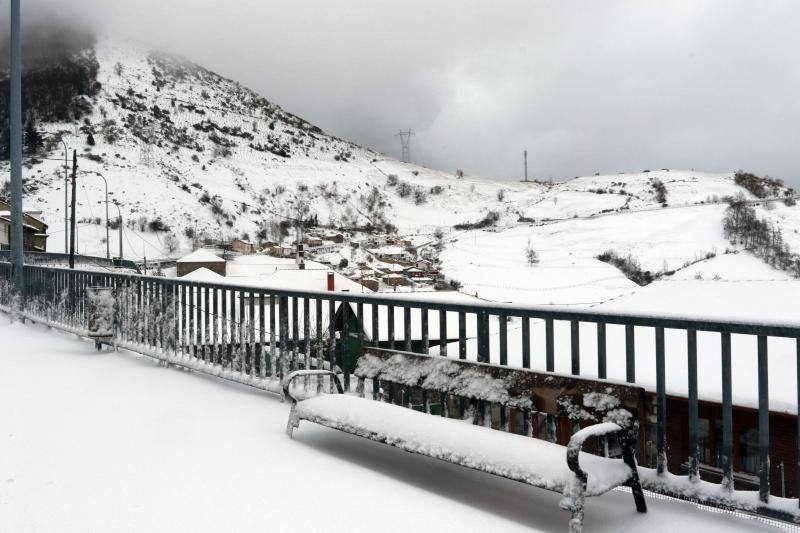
x: 549, y: 346
x: 442, y: 332
x: 484, y: 355
x: 283, y: 334
x: 320, y: 342
x: 332, y: 334
x: 575, y: 345
x: 661, y: 404
x: 242, y: 333
x: 216, y: 349
x: 763, y: 420
x: 462, y: 335
x: 630, y: 354
x: 503, y: 342
x: 390, y: 324
x: 306, y: 334
x: 224, y: 336
x: 526, y: 342
x: 601, y: 350
x: 251, y: 334
x: 273, y: 360
x: 423, y: 317
x: 375, y: 331
x: 694, y: 450
x: 182, y: 318
x: 295, y: 333
x: 262, y: 337
x: 407, y: 328
x: 727, y: 414
x: 345, y: 342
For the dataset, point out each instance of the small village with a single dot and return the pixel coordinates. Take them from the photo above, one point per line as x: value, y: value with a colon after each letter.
x: 372, y: 262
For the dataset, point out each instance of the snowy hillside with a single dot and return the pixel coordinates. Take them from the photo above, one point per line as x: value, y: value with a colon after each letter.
x: 190, y: 155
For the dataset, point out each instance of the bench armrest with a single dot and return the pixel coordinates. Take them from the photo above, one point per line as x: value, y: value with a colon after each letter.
x: 577, y: 440
x: 287, y: 381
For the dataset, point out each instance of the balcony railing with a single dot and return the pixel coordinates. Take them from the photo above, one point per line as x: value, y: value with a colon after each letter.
x: 255, y: 335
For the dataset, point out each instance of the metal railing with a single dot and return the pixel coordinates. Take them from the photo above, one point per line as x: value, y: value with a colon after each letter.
x: 256, y: 335
x: 50, y: 258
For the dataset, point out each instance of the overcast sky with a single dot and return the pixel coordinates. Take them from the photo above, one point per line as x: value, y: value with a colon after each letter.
x: 584, y: 86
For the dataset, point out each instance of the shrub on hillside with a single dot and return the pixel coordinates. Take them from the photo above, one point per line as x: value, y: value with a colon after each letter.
x: 403, y: 189
x: 157, y: 225
x: 490, y: 219
x: 629, y: 266
x: 758, y: 186
x: 660, y: 191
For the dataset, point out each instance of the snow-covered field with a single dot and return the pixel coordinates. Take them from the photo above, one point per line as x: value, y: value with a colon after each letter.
x: 113, y: 442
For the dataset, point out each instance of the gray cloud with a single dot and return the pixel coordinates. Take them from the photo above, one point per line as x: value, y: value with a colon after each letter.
x: 584, y: 86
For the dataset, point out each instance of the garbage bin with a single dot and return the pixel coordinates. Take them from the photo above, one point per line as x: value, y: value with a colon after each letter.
x: 100, y: 310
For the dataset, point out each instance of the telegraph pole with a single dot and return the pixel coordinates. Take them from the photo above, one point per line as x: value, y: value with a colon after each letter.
x: 120, y: 227
x: 72, y: 210
x: 405, y: 144
x: 17, y: 236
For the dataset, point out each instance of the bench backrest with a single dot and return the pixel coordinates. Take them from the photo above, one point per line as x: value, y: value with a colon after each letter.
x: 545, y: 392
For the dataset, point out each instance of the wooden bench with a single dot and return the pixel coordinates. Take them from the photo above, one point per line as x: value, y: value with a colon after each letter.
x: 612, y: 410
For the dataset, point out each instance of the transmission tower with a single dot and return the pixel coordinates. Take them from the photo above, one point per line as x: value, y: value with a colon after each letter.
x: 405, y: 143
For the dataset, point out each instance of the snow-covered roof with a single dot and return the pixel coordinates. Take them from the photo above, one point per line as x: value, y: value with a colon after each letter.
x: 201, y: 256
x: 298, y: 280
x: 389, y: 250
x: 203, y: 274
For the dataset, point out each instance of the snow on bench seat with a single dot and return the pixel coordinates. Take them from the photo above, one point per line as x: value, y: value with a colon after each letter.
x: 532, y: 461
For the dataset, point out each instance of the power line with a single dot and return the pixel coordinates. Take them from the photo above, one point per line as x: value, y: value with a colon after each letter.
x: 405, y: 144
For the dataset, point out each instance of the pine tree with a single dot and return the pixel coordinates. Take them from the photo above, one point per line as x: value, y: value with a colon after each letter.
x: 33, y: 139
x: 531, y: 255
x: 90, y: 139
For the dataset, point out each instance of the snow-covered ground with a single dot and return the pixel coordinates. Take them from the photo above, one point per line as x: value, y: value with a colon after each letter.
x: 114, y: 442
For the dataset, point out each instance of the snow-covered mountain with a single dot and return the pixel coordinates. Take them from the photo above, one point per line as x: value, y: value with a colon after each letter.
x: 188, y: 152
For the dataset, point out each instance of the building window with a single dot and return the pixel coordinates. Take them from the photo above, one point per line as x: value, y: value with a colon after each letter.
x: 748, y: 450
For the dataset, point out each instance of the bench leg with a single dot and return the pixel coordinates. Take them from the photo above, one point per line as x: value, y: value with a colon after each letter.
x: 638, y: 495
x: 293, y: 421
x: 627, y: 442
x: 574, y: 499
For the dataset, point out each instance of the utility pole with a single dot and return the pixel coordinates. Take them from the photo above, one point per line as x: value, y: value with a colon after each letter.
x: 120, y: 228
x: 17, y: 236
x: 405, y: 144
x: 72, y: 210
x: 300, y: 247
x: 108, y: 249
x: 525, y: 153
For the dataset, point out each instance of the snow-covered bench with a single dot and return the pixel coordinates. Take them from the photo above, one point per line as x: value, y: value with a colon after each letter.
x: 613, y: 408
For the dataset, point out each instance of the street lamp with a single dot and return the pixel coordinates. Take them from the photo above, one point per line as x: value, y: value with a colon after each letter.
x: 108, y: 250
x: 66, y: 200
x: 108, y: 244
x: 66, y: 190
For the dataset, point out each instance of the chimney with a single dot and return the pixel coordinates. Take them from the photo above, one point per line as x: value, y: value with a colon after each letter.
x: 330, y: 281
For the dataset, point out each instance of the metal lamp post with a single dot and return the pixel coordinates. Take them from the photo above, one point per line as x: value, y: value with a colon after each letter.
x: 66, y: 197
x: 108, y: 249
x: 17, y: 238
x: 66, y: 190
